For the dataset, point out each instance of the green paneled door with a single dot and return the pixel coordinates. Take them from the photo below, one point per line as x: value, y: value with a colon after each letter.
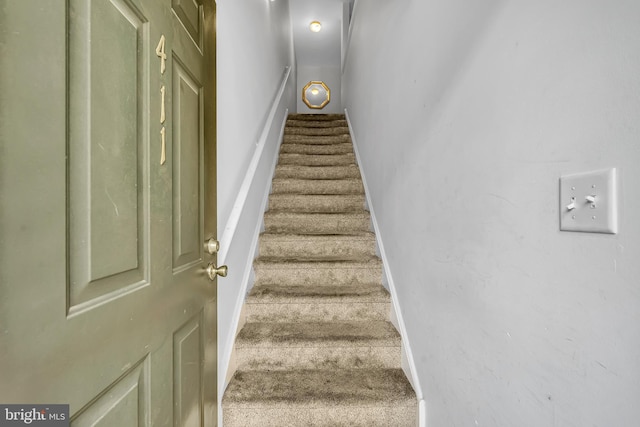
x: 107, y: 180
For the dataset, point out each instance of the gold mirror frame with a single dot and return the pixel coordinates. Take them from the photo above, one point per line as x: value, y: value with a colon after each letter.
x: 323, y: 86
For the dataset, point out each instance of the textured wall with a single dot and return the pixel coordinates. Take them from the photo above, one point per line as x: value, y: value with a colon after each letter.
x: 479, y: 107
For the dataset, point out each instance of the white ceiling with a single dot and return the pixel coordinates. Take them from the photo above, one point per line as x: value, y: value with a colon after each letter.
x: 322, y: 48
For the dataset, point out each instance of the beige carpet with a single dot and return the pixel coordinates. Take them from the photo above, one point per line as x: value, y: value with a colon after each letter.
x: 317, y: 348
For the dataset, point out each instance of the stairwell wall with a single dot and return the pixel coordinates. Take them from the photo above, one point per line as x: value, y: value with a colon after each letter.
x: 466, y: 114
x: 256, y: 88
x: 254, y: 45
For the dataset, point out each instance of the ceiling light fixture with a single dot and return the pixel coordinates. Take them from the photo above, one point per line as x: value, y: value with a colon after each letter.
x: 315, y: 26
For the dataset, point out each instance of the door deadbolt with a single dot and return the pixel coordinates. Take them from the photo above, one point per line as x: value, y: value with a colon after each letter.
x: 211, y: 246
x: 213, y: 271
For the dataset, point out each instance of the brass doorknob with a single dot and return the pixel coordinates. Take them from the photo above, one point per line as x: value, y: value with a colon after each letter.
x: 214, y: 271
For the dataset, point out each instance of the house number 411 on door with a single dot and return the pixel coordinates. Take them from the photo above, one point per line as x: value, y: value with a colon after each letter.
x: 163, y: 57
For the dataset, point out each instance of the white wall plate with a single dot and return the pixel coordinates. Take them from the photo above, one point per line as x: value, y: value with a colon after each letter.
x: 589, y: 202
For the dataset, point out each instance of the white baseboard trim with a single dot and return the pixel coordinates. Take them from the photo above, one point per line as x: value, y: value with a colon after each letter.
x: 408, y: 362
x: 238, y: 206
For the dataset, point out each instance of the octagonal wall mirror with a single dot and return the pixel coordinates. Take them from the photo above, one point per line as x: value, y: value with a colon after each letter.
x: 316, y: 94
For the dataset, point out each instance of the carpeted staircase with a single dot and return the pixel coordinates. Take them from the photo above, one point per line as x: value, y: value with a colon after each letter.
x: 316, y: 347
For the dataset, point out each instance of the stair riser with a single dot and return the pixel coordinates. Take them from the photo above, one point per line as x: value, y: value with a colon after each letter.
x: 316, y: 149
x: 275, y: 274
x: 315, y: 172
x: 309, y: 131
x: 319, y: 160
x: 317, y: 140
x: 303, y: 226
x: 329, y: 186
x: 316, y: 204
x: 279, y: 359
x: 313, y: 249
x: 318, y: 312
x: 335, y: 416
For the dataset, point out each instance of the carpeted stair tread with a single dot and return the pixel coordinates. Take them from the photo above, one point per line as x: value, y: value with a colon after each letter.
x: 334, y: 416
x: 314, y: 273
x: 347, y: 223
x: 316, y: 140
x: 265, y: 304
x: 313, y: 388
x: 301, y: 247
x: 316, y: 123
x: 372, y: 262
x: 319, y: 311
x: 330, y: 397
x: 324, y: 357
x: 316, y: 117
x: 293, y: 148
x: 317, y: 160
x: 317, y: 186
x: 321, y: 344
x: 338, y: 204
x: 316, y: 131
x: 318, y: 334
x: 317, y: 172
x: 296, y: 294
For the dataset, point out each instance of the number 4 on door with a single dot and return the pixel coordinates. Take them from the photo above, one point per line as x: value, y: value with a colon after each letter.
x: 160, y: 52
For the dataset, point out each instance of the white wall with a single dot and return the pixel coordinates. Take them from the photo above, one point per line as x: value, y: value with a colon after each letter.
x: 331, y: 76
x: 318, y: 55
x: 254, y: 47
x: 481, y: 106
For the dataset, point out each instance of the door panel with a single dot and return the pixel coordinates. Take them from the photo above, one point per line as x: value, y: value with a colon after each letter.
x: 107, y: 191
x: 189, y: 12
x: 125, y: 403
x: 188, y: 135
x: 188, y: 356
x: 103, y: 300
